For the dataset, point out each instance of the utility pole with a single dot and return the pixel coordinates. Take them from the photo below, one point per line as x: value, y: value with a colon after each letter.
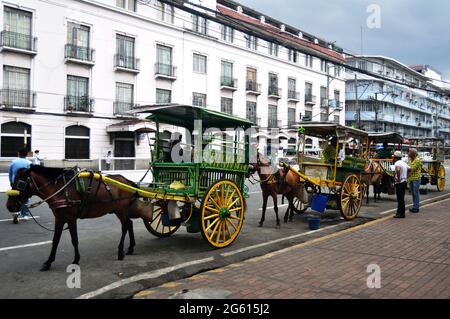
x: 357, y: 108
x: 328, y: 91
x: 376, y: 112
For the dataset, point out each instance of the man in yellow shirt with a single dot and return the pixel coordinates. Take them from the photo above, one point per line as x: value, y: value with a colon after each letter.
x: 414, y: 179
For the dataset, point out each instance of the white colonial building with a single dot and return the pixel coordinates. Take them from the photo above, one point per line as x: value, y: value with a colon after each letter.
x: 73, y: 69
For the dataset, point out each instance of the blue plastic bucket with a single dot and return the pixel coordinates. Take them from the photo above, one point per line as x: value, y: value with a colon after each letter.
x: 319, y: 203
x: 314, y: 223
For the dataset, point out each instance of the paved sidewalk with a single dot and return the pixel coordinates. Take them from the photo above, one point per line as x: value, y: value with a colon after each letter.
x: 413, y: 255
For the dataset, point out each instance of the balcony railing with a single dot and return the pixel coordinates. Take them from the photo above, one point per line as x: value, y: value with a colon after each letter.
x: 126, y: 63
x: 293, y: 95
x: 252, y: 118
x: 83, y: 54
x: 274, y: 91
x: 310, y: 99
x: 165, y: 70
x: 82, y: 104
x: 17, y: 98
x: 228, y: 82
x: 18, y: 41
x: 253, y: 87
x: 336, y: 104
x: 123, y: 108
x: 273, y: 123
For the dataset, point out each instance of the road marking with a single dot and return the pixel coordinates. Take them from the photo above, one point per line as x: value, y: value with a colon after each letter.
x: 160, y: 272
x: 408, y: 206
x: 272, y: 207
x: 20, y: 219
x: 145, y: 276
x: 234, y: 252
x: 26, y: 246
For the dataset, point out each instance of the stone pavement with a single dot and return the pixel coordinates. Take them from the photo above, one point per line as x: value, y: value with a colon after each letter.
x: 413, y: 255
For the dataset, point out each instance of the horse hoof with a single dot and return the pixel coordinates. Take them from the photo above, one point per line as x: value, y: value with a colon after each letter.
x: 121, y: 256
x: 260, y: 225
x: 285, y: 221
x: 45, y: 267
x: 130, y: 252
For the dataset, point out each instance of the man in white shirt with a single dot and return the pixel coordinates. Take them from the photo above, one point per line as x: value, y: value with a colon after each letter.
x: 400, y: 179
x: 37, y: 159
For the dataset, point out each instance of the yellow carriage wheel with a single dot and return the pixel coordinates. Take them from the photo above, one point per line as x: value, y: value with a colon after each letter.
x: 223, y: 211
x: 156, y: 227
x: 351, y: 197
x: 441, y: 178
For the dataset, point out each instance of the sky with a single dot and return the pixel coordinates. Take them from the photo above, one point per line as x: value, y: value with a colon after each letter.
x: 411, y: 31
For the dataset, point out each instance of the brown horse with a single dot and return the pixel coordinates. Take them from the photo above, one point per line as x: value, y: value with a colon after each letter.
x: 95, y: 199
x: 373, y: 173
x: 272, y: 187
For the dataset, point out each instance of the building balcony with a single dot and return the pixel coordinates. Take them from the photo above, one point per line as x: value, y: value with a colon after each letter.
x: 273, y: 123
x: 228, y: 83
x: 165, y: 71
x: 324, y: 102
x: 18, y: 42
x: 19, y: 100
x: 310, y: 99
x: 293, y: 96
x: 126, y: 63
x: 253, y: 119
x: 253, y: 88
x: 336, y: 104
x: 274, y: 92
x: 122, y: 109
x: 82, y: 105
x: 81, y: 55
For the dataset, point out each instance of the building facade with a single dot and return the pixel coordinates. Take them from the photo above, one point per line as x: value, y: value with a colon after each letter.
x: 73, y: 69
x: 378, y: 105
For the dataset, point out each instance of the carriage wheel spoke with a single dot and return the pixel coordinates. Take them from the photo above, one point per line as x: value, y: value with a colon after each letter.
x: 212, y: 209
x: 215, y: 229
x: 211, y: 217
x: 212, y: 224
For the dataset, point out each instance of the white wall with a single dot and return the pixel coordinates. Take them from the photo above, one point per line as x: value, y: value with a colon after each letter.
x: 49, y: 71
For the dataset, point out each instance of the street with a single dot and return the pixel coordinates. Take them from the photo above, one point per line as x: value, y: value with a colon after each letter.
x: 24, y: 247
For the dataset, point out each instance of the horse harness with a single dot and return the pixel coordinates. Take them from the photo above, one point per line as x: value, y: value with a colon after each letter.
x: 83, y: 205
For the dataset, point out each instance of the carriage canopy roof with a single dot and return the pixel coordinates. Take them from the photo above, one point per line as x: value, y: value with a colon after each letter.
x: 385, y: 137
x: 185, y: 115
x: 327, y: 130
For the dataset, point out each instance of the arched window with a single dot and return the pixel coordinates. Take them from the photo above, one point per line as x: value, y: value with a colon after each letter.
x: 15, y: 136
x: 309, y: 143
x: 77, y: 142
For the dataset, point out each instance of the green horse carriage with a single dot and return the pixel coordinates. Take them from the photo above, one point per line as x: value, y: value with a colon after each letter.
x: 204, y: 189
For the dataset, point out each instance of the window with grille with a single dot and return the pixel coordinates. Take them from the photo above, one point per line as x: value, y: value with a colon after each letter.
x: 273, y: 49
x: 17, y: 29
x: 273, y: 116
x: 199, y: 24
x: 226, y: 105
x: 77, y: 142
x: 292, y: 116
x: 124, y: 98
x: 227, y: 33
x: 78, y: 42
x: 251, y: 112
x: 200, y: 63
x: 125, y: 52
x: 252, y: 42
x: 199, y: 99
x: 163, y: 96
x: 127, y: 4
